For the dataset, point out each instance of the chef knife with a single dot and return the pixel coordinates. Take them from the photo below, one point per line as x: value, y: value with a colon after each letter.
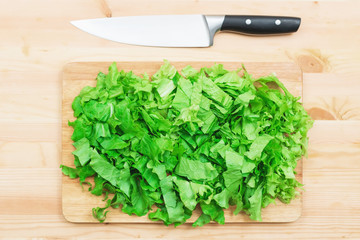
x: 183, y: 30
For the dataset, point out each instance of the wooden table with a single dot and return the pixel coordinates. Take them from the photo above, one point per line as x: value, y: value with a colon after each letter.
x: 37, y: 40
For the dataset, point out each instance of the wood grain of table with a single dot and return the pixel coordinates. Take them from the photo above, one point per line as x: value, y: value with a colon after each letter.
x: 37, y: 40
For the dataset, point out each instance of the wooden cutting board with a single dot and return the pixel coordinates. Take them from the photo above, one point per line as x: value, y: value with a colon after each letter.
x: 77, y: 203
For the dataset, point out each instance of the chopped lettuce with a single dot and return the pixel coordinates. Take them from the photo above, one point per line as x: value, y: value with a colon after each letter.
x: 177, y: 141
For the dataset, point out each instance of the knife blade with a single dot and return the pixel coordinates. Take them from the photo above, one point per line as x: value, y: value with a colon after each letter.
x: 183, y: 30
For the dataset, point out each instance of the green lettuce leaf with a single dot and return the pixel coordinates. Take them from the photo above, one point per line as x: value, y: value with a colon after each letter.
x: 199, y: 170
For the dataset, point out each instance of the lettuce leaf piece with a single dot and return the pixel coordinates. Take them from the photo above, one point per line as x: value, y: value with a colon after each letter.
x: 105, y: 169
x: 113, y: 142
x: 165, y: 87
x: 100, y: 213
x: 255, y: 204
x: 232, y: 180
x: 69, y: 171
x: 98, y: 111
x: 174, y: 207
x: 222, y: 198
x: 245, y: 98
x: 202, y: 220
x: 215, y: 212
x: 199, y: 170
x: 149, y: 148
x: 160, y: 215
x: 140, y: 201
x: 187, y: 194
x: 85, y: 172
x: 257, y: 147
x: 99, y: 183
x: 82, y: 151
x: 215, y: 93
x: 181, y: 100
x: 234, y: 160
x: 82, y: 128
x: 101, y: 130
x: 77, y: 107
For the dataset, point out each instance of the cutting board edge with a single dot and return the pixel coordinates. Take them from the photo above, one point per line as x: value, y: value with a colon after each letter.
x: 75, y: 62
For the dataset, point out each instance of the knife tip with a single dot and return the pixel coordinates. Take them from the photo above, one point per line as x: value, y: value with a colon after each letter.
x: 75, y: 23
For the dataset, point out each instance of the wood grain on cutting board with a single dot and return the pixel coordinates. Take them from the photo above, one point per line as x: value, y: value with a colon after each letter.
x: 77, y: 202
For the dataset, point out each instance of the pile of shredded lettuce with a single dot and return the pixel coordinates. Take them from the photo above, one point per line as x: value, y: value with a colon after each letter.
x: 168, y: 143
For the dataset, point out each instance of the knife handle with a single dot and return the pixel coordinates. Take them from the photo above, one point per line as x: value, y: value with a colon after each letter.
x: 251, y: 24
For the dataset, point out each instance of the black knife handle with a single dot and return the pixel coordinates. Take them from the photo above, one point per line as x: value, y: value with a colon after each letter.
x: 251, y: 24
